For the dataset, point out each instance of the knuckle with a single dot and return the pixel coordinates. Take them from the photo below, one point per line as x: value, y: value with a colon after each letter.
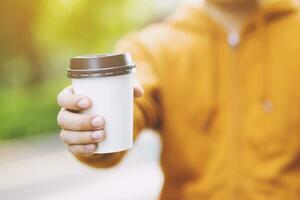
x: 64, y: 137
x: 60, y: 118
x: 59, y: 98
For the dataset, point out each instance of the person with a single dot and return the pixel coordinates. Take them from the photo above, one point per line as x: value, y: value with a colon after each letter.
x: 220, y: 84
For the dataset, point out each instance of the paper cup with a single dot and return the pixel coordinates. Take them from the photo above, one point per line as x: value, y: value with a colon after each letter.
x: 108, y: 81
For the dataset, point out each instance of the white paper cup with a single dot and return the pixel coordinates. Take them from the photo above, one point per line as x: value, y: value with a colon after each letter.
x: 108, y: 81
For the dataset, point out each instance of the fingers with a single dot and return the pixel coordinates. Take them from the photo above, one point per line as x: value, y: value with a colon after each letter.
x: 83, y: 150
x: 138, y: 90
x: 67, y: 99
x: 79, y: 122
x: 82, y: 137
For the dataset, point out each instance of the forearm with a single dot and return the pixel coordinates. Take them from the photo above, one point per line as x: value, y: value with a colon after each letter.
x: 146, y: 109
x: 102, y: 160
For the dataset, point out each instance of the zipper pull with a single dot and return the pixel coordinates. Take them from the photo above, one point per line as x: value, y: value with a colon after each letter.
x: 233, y: 39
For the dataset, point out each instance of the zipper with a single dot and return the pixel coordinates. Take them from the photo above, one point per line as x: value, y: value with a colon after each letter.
x: 233, y: 40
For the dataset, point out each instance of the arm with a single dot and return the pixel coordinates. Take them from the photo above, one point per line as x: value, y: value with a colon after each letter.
x: 80, y: 139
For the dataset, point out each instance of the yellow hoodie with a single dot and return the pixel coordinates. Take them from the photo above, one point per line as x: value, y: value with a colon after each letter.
x: 227, y: 106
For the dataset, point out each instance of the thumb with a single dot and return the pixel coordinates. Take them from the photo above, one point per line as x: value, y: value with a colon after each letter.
x: 138, y: 90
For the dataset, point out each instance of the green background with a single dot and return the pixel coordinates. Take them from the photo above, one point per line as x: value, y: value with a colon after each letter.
x: 37, y: 39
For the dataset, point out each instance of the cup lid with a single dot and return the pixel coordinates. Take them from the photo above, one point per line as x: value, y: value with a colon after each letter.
x: 98, y: 65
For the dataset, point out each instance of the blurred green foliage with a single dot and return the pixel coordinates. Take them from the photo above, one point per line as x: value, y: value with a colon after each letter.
x: 25, y: 112
x: 37, y: 39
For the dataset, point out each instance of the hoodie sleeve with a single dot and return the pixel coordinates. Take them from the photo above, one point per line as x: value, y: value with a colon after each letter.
x: 146, y: 108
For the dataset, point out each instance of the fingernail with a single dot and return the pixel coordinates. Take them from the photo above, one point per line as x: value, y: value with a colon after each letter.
x: 98, y: 122
x: 89, y: 147
x: 98, y: 135
x: 84, y: 103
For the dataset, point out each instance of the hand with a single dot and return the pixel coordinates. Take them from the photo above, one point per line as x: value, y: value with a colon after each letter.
x: 82, y: 132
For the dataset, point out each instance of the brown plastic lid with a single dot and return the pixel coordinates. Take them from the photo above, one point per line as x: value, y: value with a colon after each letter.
x: 100, y: 65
